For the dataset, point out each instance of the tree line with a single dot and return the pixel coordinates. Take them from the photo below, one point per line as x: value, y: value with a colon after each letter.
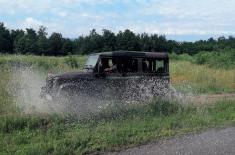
x: 38, y: 42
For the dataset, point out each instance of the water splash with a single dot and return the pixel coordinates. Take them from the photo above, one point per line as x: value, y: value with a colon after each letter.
x: 25, y: 86
x: 26, y: 82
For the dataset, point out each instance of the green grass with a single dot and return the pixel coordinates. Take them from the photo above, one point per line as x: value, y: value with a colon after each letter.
x: 217, y: 59
x: 43, y: 63
x: 135, y: 125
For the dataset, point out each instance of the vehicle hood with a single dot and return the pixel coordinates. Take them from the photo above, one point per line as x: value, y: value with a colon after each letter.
x: 73, y: 75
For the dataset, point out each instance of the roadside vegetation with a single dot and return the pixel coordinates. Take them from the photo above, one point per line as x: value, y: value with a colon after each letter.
x: 116, y: 126
x: 112, y: 130
x: 224, y: 59
x: 205, y: 72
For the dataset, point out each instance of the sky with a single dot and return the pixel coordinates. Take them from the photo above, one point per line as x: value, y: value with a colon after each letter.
x: 182, y: 20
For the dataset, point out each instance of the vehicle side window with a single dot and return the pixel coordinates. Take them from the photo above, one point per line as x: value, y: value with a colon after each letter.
x: 118, y: 65
x: 145, y: 65
x: 160, y: 66
x: 110, y: 62
x: 153, y: 66
x: 123, y: 65
x: 130, y: 65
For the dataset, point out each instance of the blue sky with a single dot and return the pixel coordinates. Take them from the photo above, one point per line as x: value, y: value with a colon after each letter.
x: 188, y: 20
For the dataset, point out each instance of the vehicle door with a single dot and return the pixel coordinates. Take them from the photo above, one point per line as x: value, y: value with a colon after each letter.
x: 155, y: 77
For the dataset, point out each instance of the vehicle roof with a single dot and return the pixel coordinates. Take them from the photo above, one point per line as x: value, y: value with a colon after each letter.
x: 139, y: 54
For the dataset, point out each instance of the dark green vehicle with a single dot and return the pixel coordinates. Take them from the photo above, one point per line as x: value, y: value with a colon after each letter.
x: 125, y: 75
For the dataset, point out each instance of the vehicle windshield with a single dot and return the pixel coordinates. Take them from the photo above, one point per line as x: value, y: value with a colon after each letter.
x: 91, y: 61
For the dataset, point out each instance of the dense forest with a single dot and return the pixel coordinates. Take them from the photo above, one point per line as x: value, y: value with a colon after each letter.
x: 39, y: 42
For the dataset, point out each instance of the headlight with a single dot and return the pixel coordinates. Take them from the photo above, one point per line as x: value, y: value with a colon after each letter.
x: 49, y: 83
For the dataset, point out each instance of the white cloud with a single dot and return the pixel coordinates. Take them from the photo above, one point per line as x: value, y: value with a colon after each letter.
x: 179, y: 28
x: 25, y: 5
x: 30, y: 22
x: 75, y: 17
x: 191, y: 8
x: 62, y: 14
x: 199, y: 17
x: 40, y: 6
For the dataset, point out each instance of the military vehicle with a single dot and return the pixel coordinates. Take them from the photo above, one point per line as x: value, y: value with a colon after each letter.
x: 126, y: 75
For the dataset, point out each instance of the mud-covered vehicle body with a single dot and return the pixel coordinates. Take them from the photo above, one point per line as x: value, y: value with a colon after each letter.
x: 128, y: 75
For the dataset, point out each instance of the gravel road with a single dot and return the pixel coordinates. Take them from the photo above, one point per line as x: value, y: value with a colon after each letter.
x: 214, y: 141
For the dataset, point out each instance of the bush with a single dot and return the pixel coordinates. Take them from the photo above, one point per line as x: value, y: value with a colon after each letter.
x: 219, y: 59
x: 223, y: 59
x: 184, y: 57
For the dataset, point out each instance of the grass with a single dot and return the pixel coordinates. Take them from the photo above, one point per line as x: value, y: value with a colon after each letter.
x: 43, y: 63
x: 138, y: 125
x: 116, y: 127
x: 192, y: 78
x: 205, y: 72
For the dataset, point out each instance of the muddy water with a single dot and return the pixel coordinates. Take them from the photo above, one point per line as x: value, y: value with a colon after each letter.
x: 25, y: 86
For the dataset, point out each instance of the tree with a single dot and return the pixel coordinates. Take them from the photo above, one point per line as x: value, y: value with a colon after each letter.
x: 127, y: 40
x: 55, y: 44
x: 67, y: 47
x: 5, y: 40
x: 42, y: 41
x: 89, y: 44
x: 15, y: 37
x: 158, y: 43
x: 20, y: 46
x: 26, y: 43
x: 82, y: 45
x: 31, y: 41
x: 109, y: 40
x: 95, y: 42
x: 145, y: 42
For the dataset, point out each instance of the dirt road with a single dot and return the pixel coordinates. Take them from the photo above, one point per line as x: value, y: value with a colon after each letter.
x: 214, y: 141
x: 203, y: 98
x: 212, y: 98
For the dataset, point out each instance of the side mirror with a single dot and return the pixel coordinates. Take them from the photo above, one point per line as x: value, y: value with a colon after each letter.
x: 101, y: 72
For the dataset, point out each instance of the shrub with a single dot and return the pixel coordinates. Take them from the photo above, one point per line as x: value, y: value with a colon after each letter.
x: 223, y: 59
x: 184, y: 57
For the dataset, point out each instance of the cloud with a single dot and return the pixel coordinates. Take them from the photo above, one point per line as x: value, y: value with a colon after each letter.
x: 180, y: 17
x: 62, y: 14
x: 76, y: 17
x: 191, y: 8
x: 177, y: 29
x: 30, y: 22
x: 40, y: 6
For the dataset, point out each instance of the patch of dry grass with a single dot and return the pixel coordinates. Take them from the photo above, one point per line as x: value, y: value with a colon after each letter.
x: 201, y: 78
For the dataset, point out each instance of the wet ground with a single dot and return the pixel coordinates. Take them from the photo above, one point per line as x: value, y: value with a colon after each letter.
x: 213, y: 141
